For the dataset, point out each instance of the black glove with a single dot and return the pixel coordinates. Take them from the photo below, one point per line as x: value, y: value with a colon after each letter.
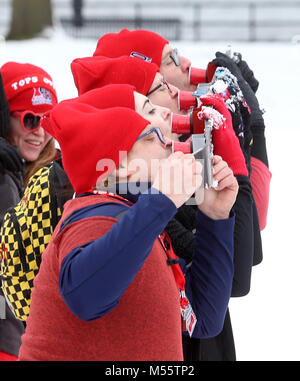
x: 256, y: 114
x: 256, y: 123
x: 10, y: 158
x: 240, y: 123
x: 4, y: 111
x: 257, y: 126
x: 248, y: 74
x: 238, y: 67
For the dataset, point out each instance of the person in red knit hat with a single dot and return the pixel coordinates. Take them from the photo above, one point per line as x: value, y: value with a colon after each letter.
x: 95, y: 72
x: 109, y: 286
x: 30, y: 92
x: 178, y: 71
x: 150, y: 47
x: 249, y: 128
x: 26, y: 92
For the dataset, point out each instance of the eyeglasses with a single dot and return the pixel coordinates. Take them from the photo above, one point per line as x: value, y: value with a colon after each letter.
x: 163, y: 83
x: 30, y: 121
x: 158, y: 133
x: 174, y: 56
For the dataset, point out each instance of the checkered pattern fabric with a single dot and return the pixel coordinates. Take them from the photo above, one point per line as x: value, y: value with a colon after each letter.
x: 25, y: 233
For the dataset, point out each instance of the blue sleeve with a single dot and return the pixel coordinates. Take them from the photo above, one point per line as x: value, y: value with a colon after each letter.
x: 92, y: 283
x: 209, y: 277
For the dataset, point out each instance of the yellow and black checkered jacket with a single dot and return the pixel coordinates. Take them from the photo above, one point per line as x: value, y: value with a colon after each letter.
x: 26, y: 231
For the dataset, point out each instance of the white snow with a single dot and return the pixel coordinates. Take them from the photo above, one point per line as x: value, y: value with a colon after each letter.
x: 266, y: 321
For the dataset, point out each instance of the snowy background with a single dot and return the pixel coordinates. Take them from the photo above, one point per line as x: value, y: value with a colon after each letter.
x: 266, y: 322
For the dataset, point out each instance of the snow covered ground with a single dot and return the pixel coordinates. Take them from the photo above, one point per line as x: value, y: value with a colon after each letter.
x: 266, y: 322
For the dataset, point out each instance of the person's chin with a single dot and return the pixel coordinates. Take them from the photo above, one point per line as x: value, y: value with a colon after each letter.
x: 189, y: 87
x: 31, y: 156
x: 30, y: 151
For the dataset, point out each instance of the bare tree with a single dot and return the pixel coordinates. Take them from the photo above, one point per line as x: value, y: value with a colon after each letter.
x: 77, y: 9
x: 29, y: 18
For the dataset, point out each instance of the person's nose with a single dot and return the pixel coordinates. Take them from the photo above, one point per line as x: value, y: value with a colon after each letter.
x: 165, y: 113
x: 185, y: 64
x: 39, y: 132
x: 168, y: 142
x: 173, y: 90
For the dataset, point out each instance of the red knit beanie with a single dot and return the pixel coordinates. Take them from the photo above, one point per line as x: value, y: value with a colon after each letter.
x: 94, y: 72
x: 126, y: 42
x: 109, y: 96
x: 91, y: 138
x: 28, y: 87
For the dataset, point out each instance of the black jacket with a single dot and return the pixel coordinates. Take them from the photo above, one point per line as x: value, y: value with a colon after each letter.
x: 11, y: 190
x: 247, y: 253
x: 11, y: 329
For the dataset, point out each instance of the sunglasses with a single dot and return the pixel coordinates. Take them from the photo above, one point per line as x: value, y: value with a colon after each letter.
x: 29, y: 120
x: 158, y: 133
x: 174, y: 56
x: 162, y: 83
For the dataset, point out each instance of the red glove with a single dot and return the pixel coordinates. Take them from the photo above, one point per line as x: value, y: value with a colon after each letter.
x: 226, y: 143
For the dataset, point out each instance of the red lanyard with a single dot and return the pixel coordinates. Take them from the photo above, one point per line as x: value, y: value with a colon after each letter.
x: 178, y: 274
x: 189, y: 319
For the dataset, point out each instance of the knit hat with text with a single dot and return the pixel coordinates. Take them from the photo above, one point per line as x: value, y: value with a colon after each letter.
x: 28, y: 87
x: 94, y: 72
x: 140, y: 43
x: 93, y: 140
